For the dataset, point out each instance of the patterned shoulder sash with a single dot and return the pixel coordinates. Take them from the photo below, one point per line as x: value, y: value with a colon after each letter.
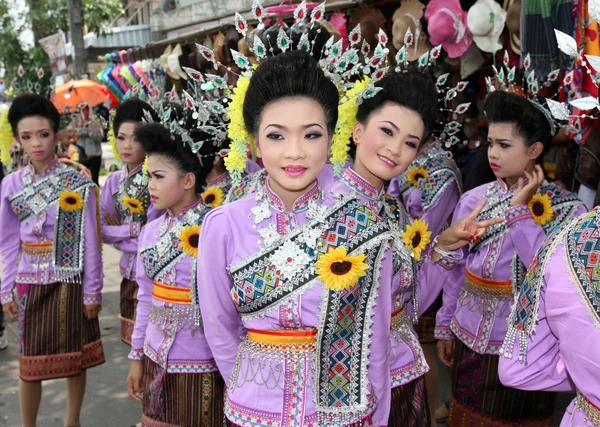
x: 345, y: 320
x: 135, y: 186
x: 581, y: 240
x: 246, y: 186
x: 442, y: 172
x: 36, y: 198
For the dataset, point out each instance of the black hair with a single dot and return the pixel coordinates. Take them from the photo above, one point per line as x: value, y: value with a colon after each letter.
x: 530, y: 123
x: 291, y: 74
x: 317, y: 36
x: 132, y: 110
x: 156, y: 139
x: 412, y: 89
x: 29, y: 105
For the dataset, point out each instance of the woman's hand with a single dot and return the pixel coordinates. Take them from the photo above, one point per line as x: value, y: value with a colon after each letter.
x: 445, y: 349
x: 525, y: 192
x: 134, y: 379
x: 11, y: 310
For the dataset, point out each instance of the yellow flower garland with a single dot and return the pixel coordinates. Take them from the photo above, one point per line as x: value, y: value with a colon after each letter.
x: 235, y: 162
x: 347, y: 111
x: 6, y: 140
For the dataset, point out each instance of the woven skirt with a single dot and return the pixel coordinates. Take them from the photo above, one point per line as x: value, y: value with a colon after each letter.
x: 409, y: 406
x: 426, y: 326
x: 182, y: 400
x: 129, y: 291
x: 56, y: 339
x: 480, y: 399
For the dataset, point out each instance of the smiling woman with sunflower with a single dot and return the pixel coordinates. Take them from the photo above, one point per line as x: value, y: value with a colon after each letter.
x: 169, y: 327
x: 52, y: 261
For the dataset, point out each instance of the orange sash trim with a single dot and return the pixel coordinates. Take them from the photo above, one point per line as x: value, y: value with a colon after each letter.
x: 499, y: 288
x: 44, y: 248
x: 172, y: 294
x: 283, y: 337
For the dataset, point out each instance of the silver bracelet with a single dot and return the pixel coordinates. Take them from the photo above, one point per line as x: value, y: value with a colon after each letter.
x: 439, y: 250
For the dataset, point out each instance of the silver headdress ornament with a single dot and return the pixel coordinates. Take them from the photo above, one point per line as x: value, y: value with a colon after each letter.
x: 505, y: 79
x: 446, y: 131
x: 216, y: 106
x: 561, y: 110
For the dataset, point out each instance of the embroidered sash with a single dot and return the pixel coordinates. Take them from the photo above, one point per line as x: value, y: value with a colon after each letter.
x: 136, y: 187
x: 69, y: 228
x: 246, y: 186
x: 286, y: 268
x: 581, y: 239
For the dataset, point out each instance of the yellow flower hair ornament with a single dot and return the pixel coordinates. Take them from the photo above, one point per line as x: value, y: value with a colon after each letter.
x: 347, y: 111
x: 6, y: 139
x: 235, y: 162
x: 416, y: 237
x: 540, y: 207
x: 112, y: 139
x: 339, y: 271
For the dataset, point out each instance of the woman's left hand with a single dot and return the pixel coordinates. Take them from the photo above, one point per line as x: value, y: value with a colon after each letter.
x: 525, y: 192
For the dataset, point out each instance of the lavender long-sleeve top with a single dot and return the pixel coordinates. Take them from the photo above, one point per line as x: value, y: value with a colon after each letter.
x: 125, y: 236
x: 18, y: 267
x: 258, y: 393
x: 562, y: 352
x: 163, y: 331
x: 480, y: 322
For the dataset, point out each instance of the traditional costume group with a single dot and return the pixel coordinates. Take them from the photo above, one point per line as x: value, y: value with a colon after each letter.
x: 249, y: 314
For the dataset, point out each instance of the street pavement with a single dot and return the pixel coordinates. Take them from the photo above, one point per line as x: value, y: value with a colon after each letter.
x: 106, y: 402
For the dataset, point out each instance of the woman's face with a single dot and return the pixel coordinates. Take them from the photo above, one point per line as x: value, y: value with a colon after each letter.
x: 387, y: 143
x: 293, y: 143
x: 36, y: 136
x: 508, y: 152
x: 129, y: 147
x: 167, y: 184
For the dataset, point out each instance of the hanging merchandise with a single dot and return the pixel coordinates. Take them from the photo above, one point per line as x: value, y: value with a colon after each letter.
x: 174, y: 65
x: 447, y: 25
x: 407, y: 26
x: 513, y: 23
x: 486, y: 20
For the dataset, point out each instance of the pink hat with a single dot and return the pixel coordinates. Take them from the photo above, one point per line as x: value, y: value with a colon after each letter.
x: 447, y: 25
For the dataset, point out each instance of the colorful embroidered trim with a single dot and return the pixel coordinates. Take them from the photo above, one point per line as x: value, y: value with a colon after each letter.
x: 44, y: 248
x: 516, y: 214
x: 487, y: 288
x: 298, y: 341
x: 172, y: 294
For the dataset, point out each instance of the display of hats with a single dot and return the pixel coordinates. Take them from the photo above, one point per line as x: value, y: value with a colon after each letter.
x: 164, y: 62
x: 471, y: 61
x: 370, y: 21
x: 513, y: 23
x: 486, y: 20
x: 174, y: 65
x: 409, y: 15
x: 447, y: 25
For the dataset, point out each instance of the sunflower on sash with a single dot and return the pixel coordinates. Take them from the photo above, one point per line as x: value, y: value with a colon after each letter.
x: 70, y: 201
x: 540, y: 207
x: 416, y: 237
x: 135, y: 206
x: 415, y: 174
x: 213, y: 196
x: 189, y: 239
x: 338, y: 270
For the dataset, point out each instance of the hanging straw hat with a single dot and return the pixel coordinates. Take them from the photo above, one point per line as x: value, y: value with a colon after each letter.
x: 447, y: 25
x: 409, y: 15
x: 486, y: 20
x: 513, y: 23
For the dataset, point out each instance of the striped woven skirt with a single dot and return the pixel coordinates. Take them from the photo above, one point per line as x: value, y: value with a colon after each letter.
x: 409, y: 406
x: 57, y: 340
x: 480, y: 399
x: 426, y: 326
x: 129, y: 290
x: 182, y: 400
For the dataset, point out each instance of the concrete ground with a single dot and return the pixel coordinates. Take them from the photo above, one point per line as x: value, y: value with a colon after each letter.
x: 107, y: 402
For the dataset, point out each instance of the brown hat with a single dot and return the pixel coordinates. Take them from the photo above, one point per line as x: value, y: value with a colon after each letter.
x: 409, y: 15
x: 370, y: 21
x: 513, y: 23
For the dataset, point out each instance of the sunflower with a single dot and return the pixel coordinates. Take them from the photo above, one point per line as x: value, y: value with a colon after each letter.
x: 416, y: 237
x: 70, y: 201
x: 415, y: 174
x: 213, y: 196
x: 338, y: 270
x: 134, y: 205
x: 189, y: 238
x: 540, y: 207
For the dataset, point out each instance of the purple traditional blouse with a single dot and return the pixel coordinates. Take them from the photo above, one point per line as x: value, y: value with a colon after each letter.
x: 407, y: 361
x: 477, y: 317
x: 30, y: 214
x: 255, y: 275
x: 553, y: 341
x: 170, y: 334
x: 119, y: 186
x: 431, y: 198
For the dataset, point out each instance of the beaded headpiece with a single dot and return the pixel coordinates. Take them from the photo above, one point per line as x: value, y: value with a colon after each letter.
x: 222, y: 117
x: 505, y: 79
